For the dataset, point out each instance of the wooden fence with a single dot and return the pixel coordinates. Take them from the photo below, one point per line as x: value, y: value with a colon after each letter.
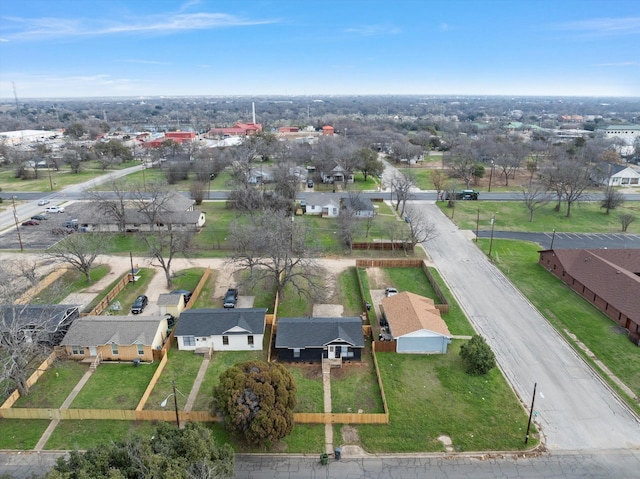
x: 383, y: 246
x: 196, y: 292
x: 102, y: 306
x: 106, y: 414
x: 154, y: 379
x: 31, y: 293
x: 15, y: 395
x: 340, y: 418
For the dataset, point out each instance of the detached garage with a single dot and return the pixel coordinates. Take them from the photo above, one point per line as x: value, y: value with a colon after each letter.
x: 415, y: 324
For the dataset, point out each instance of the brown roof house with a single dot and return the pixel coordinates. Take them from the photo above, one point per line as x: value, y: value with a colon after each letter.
x: 123, y: 338
x: 415, y: 324
x: 607, y: 278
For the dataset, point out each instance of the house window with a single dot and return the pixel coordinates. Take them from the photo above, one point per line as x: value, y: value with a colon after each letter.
x: 114, y: 349
x: 140, y: 349
x: 225, y: 340
x: 345, y: 353
x: 79, y: 350
x: 189, y: 340
x: 250, y: 340
x: 296, y: 352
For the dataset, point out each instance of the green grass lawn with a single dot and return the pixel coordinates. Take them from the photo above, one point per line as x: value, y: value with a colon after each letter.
x: 349, y: 292
x: 115, y: 386
x: 54, y: 385
x: 354, y: 387
x: 423, y: 176
x: 21, y: 434
x: 182, y: 367
x: 92, y: 433
x: 131, y: 291
x: 565, y: 310
x: 70, y: 282
x: 205, y: 298
x: 308, y: 378
x: 586, y: 217
x: 431, y: 395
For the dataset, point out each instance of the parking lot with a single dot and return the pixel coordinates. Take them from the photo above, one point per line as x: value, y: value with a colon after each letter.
x: 40, y: 236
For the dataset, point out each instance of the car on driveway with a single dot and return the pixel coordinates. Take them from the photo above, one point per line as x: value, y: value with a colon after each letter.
x: 184, y: 292
x: 30, y: 223
x: 54, y: 209
x: 390, y: 292
x: 39, y: 217
x: 139, y: 304
x: 231, y: 298
x: 43, y: 202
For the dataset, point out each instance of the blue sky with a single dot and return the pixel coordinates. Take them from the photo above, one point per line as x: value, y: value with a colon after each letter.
x: 82, y: 48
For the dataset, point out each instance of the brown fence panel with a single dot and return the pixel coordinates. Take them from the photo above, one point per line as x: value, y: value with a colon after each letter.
x: 382, y: 246
x: 196, y: 292
x: 341, y: 418
x: 152, y: 383
x: 104, y: 303
x: 385, y: 346
x: 389, y: 263
x: 375, y: 363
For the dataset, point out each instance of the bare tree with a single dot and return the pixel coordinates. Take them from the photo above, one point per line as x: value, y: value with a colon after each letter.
x: 273, y: 248
x: 401, y: 184
x: 152, y: 202
x: 164, y: 246
x: 79, y: 250
x: 625, y: 220
x: 419, y: 227
x: 439, y: 179
x: 197, y: 190
x: 348, y: 221
x: 461, y: 160
x: 612, y: 199
x: 114, y: 206
x: 534, y: 197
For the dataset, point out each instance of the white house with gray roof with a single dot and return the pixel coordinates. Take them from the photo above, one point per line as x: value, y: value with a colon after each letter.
x: 326, y: 205
x: 234, y: 329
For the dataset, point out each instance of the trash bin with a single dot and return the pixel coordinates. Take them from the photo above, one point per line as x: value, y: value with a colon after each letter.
x: 136, y: 362
x: 337, y: 453
x: 324, y: 458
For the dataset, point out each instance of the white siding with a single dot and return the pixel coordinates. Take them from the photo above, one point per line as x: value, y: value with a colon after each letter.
x: 237, y: 342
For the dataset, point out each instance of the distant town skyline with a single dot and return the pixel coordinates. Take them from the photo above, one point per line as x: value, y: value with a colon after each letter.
x: 136, y: 48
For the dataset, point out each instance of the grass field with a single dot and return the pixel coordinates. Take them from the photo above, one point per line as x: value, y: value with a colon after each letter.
x: 54, y: 385
x: 586, y: 217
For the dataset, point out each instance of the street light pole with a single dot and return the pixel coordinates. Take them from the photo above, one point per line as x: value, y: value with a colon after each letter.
x: 526, y: 438
x: 490, y: 176
x: 493, y: 225
x: 553, y: 237
x: 175, y: 404
x: 477, y: 224
x: 15, y: 218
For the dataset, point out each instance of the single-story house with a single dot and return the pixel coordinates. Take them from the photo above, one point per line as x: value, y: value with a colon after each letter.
x: 362, y: 207
x: 326, y: 205
x: 607, y: 278
x: 336, y: 175
x: 172, y: 212
x: 315, y: 339
x: 42, y: 323
x: 257, y: 176
x: 415, y: 324
x: 617, y: 175
x: 233, y: 329
x: 172, y: 304
x: 115, y: 338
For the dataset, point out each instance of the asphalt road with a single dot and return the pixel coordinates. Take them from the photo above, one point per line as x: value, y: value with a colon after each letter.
x: 575, y: 410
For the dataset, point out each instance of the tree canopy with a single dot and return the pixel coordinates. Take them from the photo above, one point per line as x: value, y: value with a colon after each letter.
x: 170, y: 453
x: 257, y: 400
x: 477, y: 356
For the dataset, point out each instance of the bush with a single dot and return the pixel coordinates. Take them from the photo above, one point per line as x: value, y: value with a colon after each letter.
x: 477, y: 356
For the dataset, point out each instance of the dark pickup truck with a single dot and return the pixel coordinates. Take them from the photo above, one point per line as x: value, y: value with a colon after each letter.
x: 231, y: 298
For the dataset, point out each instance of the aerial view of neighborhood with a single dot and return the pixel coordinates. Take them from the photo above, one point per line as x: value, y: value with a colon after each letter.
x: 350, y: 284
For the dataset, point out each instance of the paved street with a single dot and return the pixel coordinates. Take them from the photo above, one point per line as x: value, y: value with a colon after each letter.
x: 574, y: 408
x: 570, y: 240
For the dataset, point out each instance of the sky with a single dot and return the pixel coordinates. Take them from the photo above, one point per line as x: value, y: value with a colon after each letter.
x: 143, y: 48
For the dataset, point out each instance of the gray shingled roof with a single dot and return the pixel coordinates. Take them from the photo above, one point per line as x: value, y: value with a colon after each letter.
x: 101, y: 330
x: 215, y: 322
x: 48, y: 316
x: 168, y: 299
x: 316, y: 332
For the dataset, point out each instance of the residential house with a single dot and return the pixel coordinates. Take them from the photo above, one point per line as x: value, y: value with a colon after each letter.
x: 169, y: 212
x: 415, y: 324
x: 326, y: 205
x: 42, y: 323
x: 314, y: 339
x: 327, y: 130
x: 233, y: 329
x: 116, y: 338
x: 361, y: 207
x: 611, y: 174
x: 607, y: 278
x: 336, y: 175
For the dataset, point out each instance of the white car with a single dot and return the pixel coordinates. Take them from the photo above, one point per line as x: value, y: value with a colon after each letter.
x: 43, y: 202
x: 54, y: 209
x: 390, y: 292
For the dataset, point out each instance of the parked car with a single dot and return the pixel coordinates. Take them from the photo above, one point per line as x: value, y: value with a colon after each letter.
x: 54, y: 209
x: 39, y: 217
x: 184, y: 292
x: 139, y: 304
x: 231, y: 298
x: 43, y: 202
x: 390, y: 292
x: 309, y: 183
x: 30, y: 223
x: 73, y: 224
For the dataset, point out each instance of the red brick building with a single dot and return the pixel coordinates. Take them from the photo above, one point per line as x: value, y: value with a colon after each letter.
x: 239, y: 129
x: 607, y: 278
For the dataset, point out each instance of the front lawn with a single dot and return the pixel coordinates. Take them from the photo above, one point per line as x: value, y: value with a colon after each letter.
x: 308, y: 379
x: 90, y: 433
x: 431, y: 395
x: 21, y: 434
x: 115, y: 386
x: 72, y: 281
x: 54, y: 385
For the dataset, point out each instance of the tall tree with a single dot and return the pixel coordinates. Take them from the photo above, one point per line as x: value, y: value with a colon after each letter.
x: 369, y: 162
x: 257, y: 400
x: 79, y: 250
x: 534, y: 197
x: 164, y: 246
x: 419, y: 227
x: 401, y: 184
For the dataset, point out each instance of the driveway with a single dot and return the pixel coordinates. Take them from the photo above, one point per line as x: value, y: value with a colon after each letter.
x: 574, y: 408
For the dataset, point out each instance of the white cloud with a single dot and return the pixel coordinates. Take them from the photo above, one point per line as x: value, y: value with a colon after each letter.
x: 600, y: 27
x: 371, y: 30
x: 45, y: 28
x: 616, y: 64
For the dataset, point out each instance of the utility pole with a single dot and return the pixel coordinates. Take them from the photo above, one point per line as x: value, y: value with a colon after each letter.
x: 493, y: 225
x: 15, y: 217
x: 526, y: 438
